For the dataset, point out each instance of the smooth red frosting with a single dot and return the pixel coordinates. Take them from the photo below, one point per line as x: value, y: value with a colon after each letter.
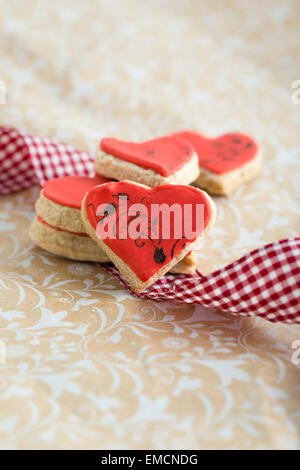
x: 42, y: 221
x: 70, y: 190
x: 222, y: 154
x: 164, y: 155
x: 145, y: 256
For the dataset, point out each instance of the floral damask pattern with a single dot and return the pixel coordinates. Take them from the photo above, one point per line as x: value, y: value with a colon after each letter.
x: 86, y: 365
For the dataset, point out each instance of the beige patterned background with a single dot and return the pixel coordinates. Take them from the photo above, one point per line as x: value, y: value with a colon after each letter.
x: 86, y: 365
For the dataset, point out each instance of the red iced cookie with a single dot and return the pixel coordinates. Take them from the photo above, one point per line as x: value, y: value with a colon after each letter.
x: 222, y: 154
x: 70, y: 190
x: 42, y: 221
x: 148, y: 253
x: 165, y: 155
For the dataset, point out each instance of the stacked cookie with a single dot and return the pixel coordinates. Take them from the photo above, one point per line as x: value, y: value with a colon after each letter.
x: 218, y: 165
x: 225, y: 162
x: 82, y: 218
x: 58, y: 227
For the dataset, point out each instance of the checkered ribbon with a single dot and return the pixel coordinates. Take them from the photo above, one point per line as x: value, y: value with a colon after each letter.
x: 265, y: 282
x: 27, y: 159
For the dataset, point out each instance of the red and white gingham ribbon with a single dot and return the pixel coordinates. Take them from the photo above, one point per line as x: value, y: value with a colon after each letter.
x: 27, y: 159
x: 265, y: 282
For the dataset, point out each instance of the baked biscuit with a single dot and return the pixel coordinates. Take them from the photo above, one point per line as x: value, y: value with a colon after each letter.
x: 166, y: 160
x: 119, y: 217
x: 225, y: 162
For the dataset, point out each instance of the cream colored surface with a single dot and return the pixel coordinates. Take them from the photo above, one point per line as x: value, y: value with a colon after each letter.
x: 87, y: 365
x: 113, y: 167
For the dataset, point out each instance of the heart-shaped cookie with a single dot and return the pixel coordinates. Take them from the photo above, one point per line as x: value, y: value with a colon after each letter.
x: 60, y: 201
x: 69, y: 190
x: 222, y: 154
x: 133, y: 225
x: 159, y: 161
x: 58, y: 227
x: 225, y: 162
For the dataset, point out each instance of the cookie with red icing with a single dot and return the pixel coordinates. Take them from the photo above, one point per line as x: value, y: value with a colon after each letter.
x: 58, y: 227
x: 225, y: 162
x: 72, y: 245
x: 146, y: 231
x: 165, y: 160
x: 60, y: 200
